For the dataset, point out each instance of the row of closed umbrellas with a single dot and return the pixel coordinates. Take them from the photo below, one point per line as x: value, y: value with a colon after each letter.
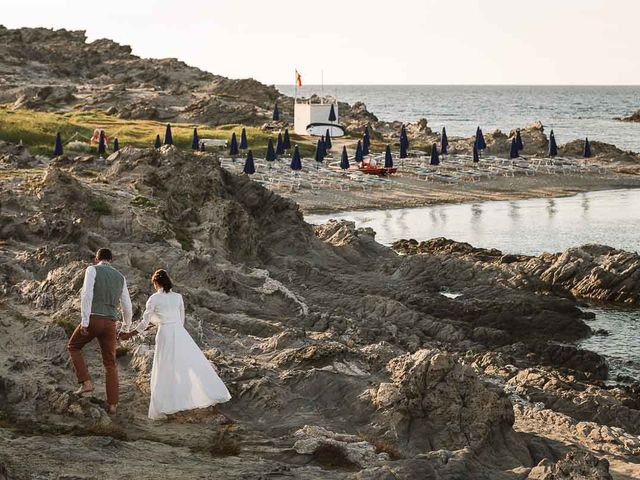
x: 283, y: 143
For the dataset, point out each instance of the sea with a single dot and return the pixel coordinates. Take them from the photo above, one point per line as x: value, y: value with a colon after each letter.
x: 573, y: 112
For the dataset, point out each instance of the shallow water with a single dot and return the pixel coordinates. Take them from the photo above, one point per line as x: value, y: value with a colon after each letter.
x: 572, y: 111
x: 621, y: 346
x: 531, y: 227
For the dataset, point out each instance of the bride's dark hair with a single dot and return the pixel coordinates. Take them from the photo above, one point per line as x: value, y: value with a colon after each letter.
x: 161, y: 277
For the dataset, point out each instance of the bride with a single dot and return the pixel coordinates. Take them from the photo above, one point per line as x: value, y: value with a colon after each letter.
x: 181, y: 378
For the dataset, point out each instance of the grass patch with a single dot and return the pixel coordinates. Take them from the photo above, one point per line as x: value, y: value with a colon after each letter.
x: 22, y: 173
x: 68, y: 324
x: 142, y: 201
x: 99, y: 206
x: 185, y: 240
x: 88, y: 174
x: 37, y: 131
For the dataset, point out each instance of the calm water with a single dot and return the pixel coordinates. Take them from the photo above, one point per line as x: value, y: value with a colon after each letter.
x: 573, y: 112
x: 532, y: 227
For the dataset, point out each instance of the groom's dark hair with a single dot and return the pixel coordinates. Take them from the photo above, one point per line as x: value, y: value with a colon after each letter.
x: 104, y: 254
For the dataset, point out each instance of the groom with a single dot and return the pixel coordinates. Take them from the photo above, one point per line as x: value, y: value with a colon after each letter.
x: 103, y: 290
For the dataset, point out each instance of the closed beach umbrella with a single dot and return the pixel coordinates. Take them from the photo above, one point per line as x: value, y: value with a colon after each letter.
x: 480, y: 139
x: 243, y: 140
x: 116, y: 144
x: 366, y: 141
x: 553, y: 146
x: 276, y: 113
x: 332, y: 114
x: 404, y: 139
x: 444, y: 142
x: 57, y: 149
x: 324, y: 147
x: 587, y: 148
x: 233, y: 145
x: 519, y: 143
x: 168, y: 138
x: 195, y: 141
x: 158, y: 143
x: 102, y: 147
x: 202, y: 147
x: 249, y: 167
x: 285, y: 140
x: 319, y: 156
x: 513, y: 152
x: 279, y: 145
x: 476, y: 157
x: 296, y: 163
x: 403, y: 149
x: 435, y: 158
x: 359, y: 155
x: 344, y: 160
x: 388, y: 158
x: 271, y: 153
x: 327, y: 140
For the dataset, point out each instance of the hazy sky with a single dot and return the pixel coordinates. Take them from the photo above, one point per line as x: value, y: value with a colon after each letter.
x: 374, y: 41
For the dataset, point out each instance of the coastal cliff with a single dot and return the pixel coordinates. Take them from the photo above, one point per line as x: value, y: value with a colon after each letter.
x: 343, y: 358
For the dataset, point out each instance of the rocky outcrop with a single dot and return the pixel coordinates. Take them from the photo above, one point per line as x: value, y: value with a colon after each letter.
x: 592, y: 271
x: 433, y: 402
x: 600, y: 151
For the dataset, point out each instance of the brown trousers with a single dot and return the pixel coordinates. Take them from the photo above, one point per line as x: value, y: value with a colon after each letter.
x: 104, y: 329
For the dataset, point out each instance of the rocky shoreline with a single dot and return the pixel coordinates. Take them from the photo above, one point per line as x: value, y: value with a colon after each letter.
x: 343, y: 357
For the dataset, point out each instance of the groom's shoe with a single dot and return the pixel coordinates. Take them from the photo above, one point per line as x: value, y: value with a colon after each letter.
x: 85, y: 387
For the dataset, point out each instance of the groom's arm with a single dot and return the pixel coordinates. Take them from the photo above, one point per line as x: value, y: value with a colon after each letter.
x: 127, y: 308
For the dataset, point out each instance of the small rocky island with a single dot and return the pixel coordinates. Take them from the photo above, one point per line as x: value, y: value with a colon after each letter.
x: 634, y: 117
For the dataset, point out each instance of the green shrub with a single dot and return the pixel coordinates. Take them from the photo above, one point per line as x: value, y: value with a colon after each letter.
x: 99, y: 206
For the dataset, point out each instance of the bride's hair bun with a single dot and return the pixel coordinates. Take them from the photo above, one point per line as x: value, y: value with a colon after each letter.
x: 161, y: 277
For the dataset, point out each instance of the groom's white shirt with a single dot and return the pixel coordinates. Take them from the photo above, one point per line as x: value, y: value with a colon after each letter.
x: 86, y: 299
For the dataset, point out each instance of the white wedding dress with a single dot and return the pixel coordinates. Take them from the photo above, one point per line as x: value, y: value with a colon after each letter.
x: 181, y: 378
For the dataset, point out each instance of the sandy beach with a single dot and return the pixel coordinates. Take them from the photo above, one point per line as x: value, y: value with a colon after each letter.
x: 325, y: 191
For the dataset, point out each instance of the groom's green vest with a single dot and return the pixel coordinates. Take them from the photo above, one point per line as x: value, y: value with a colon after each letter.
x: 107, y: 291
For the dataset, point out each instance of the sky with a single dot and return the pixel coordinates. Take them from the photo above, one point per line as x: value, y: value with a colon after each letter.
x: 553, y: 42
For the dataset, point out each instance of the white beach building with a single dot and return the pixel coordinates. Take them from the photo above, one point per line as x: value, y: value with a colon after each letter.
x: 313, y: 119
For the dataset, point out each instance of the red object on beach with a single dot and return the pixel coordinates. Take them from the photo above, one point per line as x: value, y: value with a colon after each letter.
x: 375, y: 170
x: 298, y: 79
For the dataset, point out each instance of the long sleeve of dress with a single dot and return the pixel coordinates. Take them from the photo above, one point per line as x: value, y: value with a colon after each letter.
x: 146, y: 316
x: 127, y: 308
x: 182, y: 315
